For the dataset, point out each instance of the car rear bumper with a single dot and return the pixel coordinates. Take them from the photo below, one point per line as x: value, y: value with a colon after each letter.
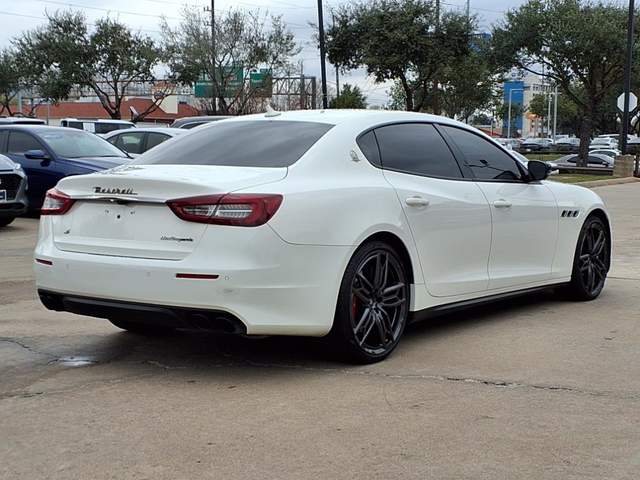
x: 271, y: 287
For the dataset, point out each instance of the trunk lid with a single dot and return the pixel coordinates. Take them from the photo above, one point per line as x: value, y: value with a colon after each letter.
x: 122, y: 212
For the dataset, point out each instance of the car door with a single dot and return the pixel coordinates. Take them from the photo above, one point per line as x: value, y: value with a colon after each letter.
x: 448, y: 216
x: 42, y: 174
x: 524, y: 215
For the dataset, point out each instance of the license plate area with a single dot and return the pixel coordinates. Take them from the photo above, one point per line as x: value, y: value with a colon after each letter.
x: 3, y: 196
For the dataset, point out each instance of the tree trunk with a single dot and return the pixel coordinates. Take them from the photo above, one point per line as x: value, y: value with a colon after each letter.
x: 585, y: 135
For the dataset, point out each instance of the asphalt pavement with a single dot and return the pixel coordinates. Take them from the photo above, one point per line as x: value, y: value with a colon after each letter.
x: 532, y: 388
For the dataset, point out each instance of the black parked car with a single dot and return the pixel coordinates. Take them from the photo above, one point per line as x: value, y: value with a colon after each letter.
x: 535, y: 145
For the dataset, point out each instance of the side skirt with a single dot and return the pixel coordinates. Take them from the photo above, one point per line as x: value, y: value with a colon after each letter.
x: 446, y: 308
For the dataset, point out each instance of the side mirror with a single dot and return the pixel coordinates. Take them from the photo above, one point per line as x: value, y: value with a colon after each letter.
x: 538, y: 170
x: 35, y: 155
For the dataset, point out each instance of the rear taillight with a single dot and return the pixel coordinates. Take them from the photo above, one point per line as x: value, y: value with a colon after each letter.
x: 237, y: 209
x: 56, y: 203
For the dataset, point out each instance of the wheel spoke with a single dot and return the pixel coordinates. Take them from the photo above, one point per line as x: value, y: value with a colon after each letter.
x: 380, y: 275
x: 384, y: 315
x: 598, y: 245
x: 365, y: 316
x: 392, y: 289
x: 382, y: 330
x: 370, y: 325
x: 392, y: 303
x: 365, y: 284
x: 590, y: 278
x: 362, y: 294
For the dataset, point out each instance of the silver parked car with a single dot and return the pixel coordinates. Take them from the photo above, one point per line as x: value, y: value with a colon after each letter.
x: 13, y: 191
x: 136, y: 141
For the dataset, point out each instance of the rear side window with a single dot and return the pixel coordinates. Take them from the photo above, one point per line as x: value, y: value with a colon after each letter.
x: 77, y: 125
x: 20, y: 142
x: 417, y: 149
x: 130, y: 142
x: 487, y: 161
x: 154, y: 139
x: 369, y: 147
x: 269, y: 143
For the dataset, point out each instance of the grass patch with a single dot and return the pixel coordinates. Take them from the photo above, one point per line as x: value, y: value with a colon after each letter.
x: 578, y: 178
x: 545, y: 157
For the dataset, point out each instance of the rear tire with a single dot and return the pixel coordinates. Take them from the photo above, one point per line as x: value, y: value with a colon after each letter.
x: 590, y: 263
x: 373, y: 305
x: 4, y: 221
x: 142, y: 328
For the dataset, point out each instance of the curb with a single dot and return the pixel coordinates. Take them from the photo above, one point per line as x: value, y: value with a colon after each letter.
x: 604, y: 183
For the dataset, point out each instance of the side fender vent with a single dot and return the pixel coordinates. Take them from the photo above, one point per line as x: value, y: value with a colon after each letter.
x: 570, y: 213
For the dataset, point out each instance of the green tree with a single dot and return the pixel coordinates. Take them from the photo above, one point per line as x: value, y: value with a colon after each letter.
x: 350, y: 97
x: 244, y: 42
x: 468, y: 84
x: 517, y: 111
x: 107, y: 60
x: 398, y: 40
x: 580, y: 43
x: 11, y: 80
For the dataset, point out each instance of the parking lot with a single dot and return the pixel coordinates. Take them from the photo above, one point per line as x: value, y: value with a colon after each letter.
x: 529, y: 388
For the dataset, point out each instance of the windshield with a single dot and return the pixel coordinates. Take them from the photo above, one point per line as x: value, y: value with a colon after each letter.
x: 270, y: 143
x: 78, y: 143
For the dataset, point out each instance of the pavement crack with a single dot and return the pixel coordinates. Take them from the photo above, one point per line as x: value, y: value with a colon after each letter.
x: 27, y: 347
x: 411, y: 376
x: 161, y: 365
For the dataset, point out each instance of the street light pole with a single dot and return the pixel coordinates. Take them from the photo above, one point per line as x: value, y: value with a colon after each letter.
x: 214, y: 92
x: 509, y: 119
x: 627, y: 81
x: 555, y: 112
x: 323, y: 68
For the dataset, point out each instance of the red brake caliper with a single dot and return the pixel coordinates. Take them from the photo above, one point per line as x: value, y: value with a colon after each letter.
x: 354, y: 306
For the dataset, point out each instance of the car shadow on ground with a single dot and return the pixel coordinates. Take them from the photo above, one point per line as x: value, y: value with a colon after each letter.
x: 188, y: 349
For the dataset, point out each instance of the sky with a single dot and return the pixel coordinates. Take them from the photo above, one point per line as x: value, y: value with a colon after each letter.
x: 17, y: 16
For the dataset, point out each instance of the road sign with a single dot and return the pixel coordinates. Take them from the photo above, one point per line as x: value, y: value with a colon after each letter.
x: 233, y: 81
x: 261, y: 83
x: 633, y: 102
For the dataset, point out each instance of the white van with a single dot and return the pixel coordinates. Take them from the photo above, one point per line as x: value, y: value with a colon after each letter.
x: 96, y: 125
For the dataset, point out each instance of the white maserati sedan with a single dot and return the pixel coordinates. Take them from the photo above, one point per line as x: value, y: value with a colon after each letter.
x: 344, y: 224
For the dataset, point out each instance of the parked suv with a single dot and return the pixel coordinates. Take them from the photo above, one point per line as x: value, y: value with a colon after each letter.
x: 13, y: 191
x: 96, y: 125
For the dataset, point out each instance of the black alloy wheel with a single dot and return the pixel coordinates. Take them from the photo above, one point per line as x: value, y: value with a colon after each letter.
x: 373, y: 305
x: 591, y: 262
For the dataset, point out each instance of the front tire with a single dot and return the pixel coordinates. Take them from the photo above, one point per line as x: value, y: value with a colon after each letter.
x: 373, y: 305
x: 591, y: 262
x: 141, y: 328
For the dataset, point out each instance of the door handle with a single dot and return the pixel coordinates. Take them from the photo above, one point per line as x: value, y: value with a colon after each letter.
x: 502, y: 204
x: 416, y: 202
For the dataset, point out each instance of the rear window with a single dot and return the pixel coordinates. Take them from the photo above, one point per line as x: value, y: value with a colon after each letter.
x: 270, y: 143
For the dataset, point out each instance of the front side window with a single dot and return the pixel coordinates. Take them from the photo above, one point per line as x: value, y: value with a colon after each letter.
x: 486, y: 160
x: 20, y: 142
x: 416, y: 148
x: 262, y: 143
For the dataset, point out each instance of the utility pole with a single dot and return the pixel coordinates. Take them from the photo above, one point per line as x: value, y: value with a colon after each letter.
x: 469, y: 11
x: 214, y: 89
x: 555, y: 112
x: 435, y: 97
x: 627, y: 81
x: 323, y: 68
x: 337, y: 69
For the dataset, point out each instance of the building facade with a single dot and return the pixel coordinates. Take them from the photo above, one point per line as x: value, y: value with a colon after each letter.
x: 520, y: 88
